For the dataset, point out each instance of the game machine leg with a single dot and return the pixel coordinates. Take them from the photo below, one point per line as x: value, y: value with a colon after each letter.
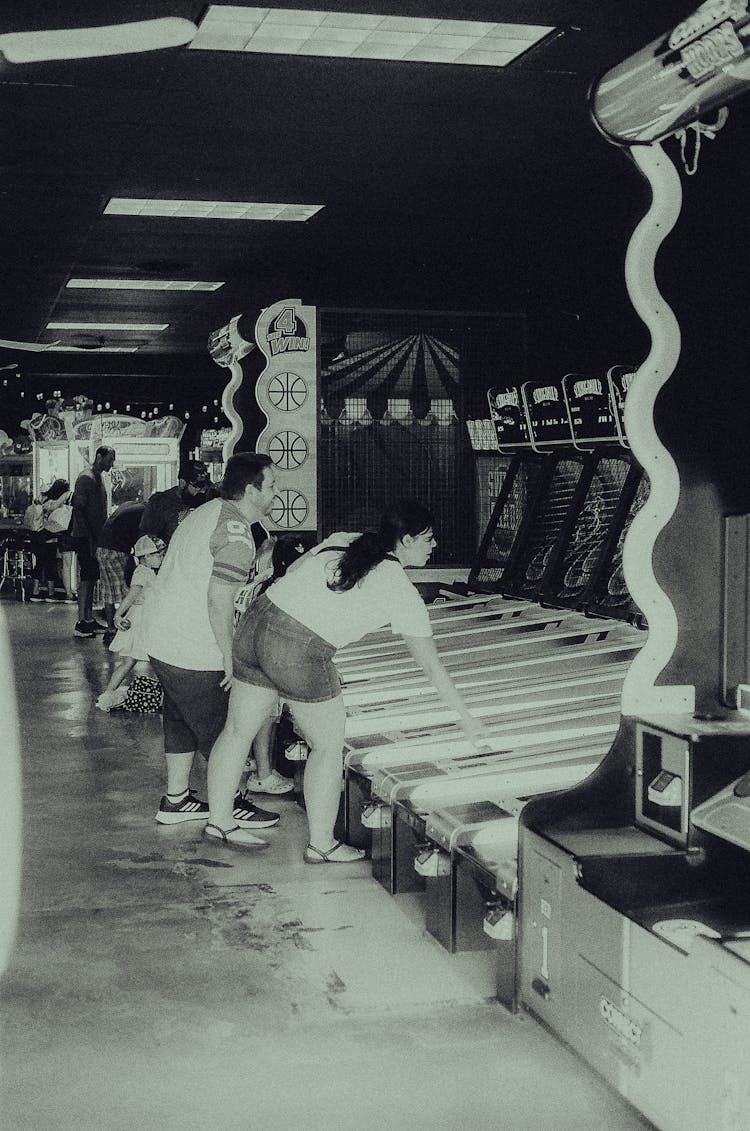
x: 471, y: 884
x: 634, y: 919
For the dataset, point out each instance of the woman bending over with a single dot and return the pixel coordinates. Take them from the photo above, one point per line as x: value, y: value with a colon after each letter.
x: 349, y: 585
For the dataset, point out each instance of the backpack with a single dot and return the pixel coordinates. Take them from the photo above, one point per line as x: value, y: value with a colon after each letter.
x: 144, y: 695
x: 33, y: 517
x: 59, y: 520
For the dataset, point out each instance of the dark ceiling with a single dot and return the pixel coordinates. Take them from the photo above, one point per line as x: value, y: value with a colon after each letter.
x: 445, y: 187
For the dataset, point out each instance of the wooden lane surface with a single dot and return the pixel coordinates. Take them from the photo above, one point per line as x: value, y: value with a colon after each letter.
x: 553, y: 729
x: 487, y: 701
x: 496, y: 648
x: 577, y: 658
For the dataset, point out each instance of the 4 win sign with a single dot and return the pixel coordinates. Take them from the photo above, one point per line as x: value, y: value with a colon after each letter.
x: 288, y: 333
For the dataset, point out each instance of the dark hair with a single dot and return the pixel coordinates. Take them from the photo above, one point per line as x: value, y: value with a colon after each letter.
x: 286, y: 551
x: 243, y: 469
x: 56, y: 489
x: 195, y: 472
x: 103, y: 451
x: 369, y: 550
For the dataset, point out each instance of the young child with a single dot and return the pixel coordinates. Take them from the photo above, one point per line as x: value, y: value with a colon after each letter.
x: 128, y: 643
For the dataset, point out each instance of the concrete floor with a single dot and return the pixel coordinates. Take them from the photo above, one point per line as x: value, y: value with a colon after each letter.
x: 161, y: 982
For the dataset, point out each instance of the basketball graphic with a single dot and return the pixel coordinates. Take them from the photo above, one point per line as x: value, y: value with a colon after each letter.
x: 287, y: 391
x: 288, y: 450
x: 290, y: 509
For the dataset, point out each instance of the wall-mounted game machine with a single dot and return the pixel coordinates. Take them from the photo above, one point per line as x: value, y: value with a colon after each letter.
x: 634, y: 911
x: 147, y: 453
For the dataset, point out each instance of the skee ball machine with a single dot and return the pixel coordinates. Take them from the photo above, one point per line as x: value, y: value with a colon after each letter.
x: 635, y: 884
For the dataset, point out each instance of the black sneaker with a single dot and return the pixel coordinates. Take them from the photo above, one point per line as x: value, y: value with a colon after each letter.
x: 83, y: 631
x: 36, y: 598
x: 249, y: 816
x: 175, y: 812
x: 95, y: 626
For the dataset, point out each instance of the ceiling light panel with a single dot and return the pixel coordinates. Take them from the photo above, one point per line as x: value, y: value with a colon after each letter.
x: 292, y: 31
x: 140, y: 285
x: 210, y: 209
x: 126, y: 326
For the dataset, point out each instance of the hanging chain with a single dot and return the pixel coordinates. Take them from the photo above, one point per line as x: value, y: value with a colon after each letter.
x: 700, y: 128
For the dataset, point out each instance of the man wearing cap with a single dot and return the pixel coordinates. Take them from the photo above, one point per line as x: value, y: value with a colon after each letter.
x: 89, y: 515
x: 165, y: 510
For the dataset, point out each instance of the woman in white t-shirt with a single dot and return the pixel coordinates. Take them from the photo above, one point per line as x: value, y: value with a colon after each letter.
x: 349, y: 585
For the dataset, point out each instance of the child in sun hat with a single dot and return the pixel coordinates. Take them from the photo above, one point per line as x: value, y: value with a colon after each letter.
x: 129, y: 641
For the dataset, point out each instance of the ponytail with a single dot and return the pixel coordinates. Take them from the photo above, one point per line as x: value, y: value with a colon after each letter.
x: 369, y: 550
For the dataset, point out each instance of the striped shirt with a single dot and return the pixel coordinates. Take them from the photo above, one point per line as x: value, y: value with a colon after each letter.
x: 215, y: 542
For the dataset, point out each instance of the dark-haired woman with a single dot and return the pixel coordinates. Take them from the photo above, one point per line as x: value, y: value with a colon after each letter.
x: 46, y: 531
x: 349, y: 585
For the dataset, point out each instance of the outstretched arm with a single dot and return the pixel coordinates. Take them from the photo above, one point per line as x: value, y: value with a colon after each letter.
x: 423, y: 649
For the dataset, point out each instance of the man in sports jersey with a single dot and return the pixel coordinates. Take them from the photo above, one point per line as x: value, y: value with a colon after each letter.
x: 190, y: 624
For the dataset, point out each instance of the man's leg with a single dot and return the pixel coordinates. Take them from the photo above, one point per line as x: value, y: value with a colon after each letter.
x: 85, y: 600
x: 178, y: 773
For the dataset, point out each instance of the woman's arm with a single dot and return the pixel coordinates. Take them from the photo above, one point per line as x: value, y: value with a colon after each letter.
x: 423, y: 649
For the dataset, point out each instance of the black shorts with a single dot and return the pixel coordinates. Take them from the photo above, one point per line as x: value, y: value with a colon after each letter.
x: 194, y: 709
x: 87, y: 562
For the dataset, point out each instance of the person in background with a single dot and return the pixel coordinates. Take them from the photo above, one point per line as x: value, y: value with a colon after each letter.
x: 45, y: 520
x: 116, y: 539
x: 349, y: 585
x: 165, y: 510
x: 129, y: 641
x: 89, y: 516
x: 189, y: 617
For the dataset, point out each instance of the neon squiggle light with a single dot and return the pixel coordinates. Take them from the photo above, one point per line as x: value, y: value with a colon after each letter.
x: 639, y: 692
x: 227, y: 348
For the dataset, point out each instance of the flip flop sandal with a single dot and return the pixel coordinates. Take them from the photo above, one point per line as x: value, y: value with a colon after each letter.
x: 313, y: 855
x: 235, y: 837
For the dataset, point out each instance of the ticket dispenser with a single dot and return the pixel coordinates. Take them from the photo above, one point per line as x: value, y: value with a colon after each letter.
x: 680, y: 762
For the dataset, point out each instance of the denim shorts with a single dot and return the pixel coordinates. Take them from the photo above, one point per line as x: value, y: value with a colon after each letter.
x: 272, y: 649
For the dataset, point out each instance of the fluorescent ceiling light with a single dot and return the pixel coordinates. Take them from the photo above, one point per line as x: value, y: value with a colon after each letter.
x: 87, y: 42
x: 294, y: 31
x: 140, y: 285
x: 107, y: 325
x: 209, y: 209
x: 97, y: 349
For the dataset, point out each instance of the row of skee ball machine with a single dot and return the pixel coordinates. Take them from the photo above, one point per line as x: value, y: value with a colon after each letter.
x: 538, y: 640
x: 634, y: 917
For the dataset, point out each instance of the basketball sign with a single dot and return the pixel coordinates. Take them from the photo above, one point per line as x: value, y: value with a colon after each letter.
x: 287, y: 391
x: 288, y: 450
x: 290, y: 509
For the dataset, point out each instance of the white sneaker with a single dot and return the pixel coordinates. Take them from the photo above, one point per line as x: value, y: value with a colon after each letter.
x: 109, y: 699
x: 275, y: 784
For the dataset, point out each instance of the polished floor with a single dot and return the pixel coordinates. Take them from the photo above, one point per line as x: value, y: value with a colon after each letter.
x: 158, y: 981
